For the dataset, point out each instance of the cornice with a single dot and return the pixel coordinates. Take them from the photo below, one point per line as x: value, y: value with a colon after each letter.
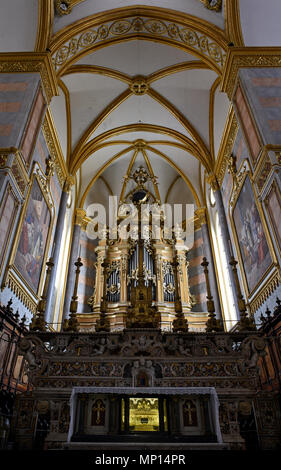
x: 246, y: 57
x: 201, y: 214
x: 32, y: 62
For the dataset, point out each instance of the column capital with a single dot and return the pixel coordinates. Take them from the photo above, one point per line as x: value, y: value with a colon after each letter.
x: 68, y: 183
x: 213, y: 182
x: 40, y: 62
x: 201, y: 214
x: 80, y: 216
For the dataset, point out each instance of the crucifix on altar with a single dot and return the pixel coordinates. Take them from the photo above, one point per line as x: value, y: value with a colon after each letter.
x: 189, y: 413
x: 98, y: 413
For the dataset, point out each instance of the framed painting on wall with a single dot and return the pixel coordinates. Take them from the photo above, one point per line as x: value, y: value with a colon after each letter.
x: 273, y: 205
x: 33, y: 237
x: 255, y: 255
x: 252, y: 137
x: 8, y: 211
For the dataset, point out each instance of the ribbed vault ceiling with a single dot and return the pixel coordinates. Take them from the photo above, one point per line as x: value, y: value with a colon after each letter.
x: 102, y: 120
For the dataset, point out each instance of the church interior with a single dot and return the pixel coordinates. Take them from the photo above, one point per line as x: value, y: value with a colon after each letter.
x: 140, y: 225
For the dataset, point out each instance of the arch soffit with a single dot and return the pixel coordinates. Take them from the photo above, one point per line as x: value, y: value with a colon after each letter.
x: 192, y: 34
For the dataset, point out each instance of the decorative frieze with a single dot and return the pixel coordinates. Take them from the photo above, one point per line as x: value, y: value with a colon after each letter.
x: 180, y: 34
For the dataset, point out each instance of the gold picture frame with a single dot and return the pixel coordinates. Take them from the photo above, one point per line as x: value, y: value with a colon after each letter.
x: 9, y: 191
x: 261, y: 261
x: 41, y: 242
x: 274, y: 190
x: 250, y: 130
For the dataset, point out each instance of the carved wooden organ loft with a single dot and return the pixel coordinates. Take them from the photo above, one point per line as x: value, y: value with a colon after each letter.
x: 141, y: 279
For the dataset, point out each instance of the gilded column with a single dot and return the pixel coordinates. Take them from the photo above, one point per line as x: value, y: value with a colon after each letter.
x: 100, y: 276
x: 80, y: 213
x: 56, y: 248
x: 207, y: 252
x: 183, y: 286
x: 123, y: 276
x: 159, y: 278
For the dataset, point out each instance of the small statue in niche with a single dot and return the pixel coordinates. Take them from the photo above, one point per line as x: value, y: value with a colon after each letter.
x: 142, y: 380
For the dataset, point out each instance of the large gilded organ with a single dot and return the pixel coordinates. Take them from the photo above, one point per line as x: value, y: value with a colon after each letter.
x: 148, y: 266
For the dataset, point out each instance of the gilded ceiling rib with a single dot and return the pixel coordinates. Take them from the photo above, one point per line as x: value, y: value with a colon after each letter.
x: 189, y: 65
x: 171, y: 187
x: 44, y: 25
x: 147, y: 161
x: 94, y: 144
x: 211, y: 118
x: 119, y: 100
x: 94, y: 125
x: 102, y: 169
x: 151, y: 149
x: 95, y: 69
x: 202, y: 191
x: 178, y: 170
x: 130, y: 11
x: 132, y: 161
x: 107, y: 185
x: 125, y: 78
x: 233, y: 22
x: 68, y: 119
x: 185, y: 123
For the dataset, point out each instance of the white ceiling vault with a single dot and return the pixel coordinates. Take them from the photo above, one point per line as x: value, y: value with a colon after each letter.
x: 125, y: 88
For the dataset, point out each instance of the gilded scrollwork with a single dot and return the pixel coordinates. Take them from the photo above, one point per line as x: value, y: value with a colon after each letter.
x: 237, y: 183
x: 145, y: 26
